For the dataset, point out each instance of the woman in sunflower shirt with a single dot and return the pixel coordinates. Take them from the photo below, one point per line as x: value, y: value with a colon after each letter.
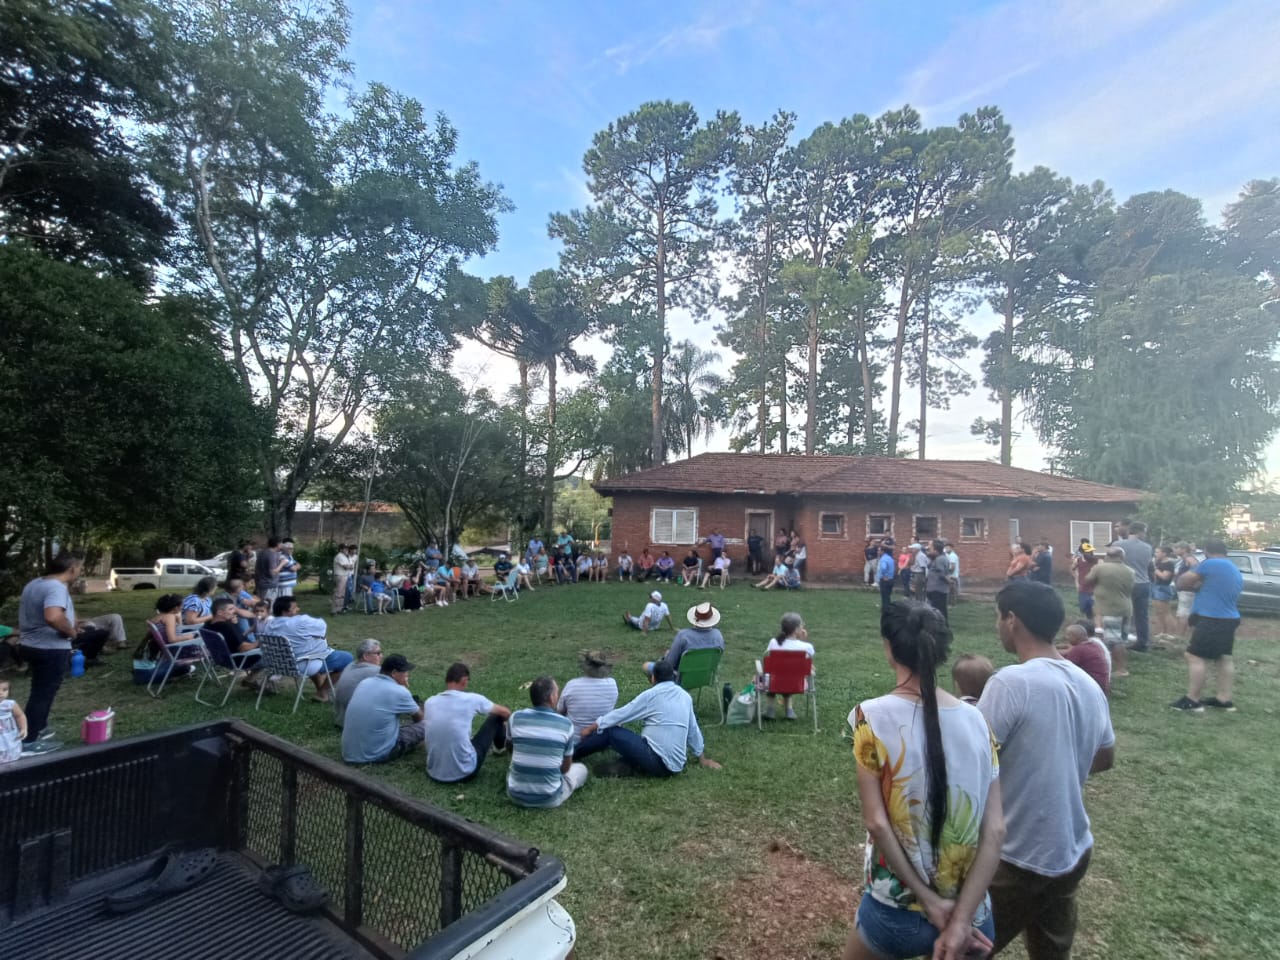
x: 928, y: 782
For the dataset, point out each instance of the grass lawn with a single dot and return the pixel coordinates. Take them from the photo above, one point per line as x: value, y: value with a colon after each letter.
x: 707, y: 864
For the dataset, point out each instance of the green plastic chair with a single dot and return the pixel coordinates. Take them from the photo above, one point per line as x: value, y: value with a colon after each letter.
x: 699, y: 669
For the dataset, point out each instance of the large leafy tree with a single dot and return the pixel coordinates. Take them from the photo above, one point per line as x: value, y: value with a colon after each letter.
x: 650, y: 235
x: 121, y: 418
x: 693, y: 408
x: 448, y: 458
x: 322, y: 242
x: 73, y: 74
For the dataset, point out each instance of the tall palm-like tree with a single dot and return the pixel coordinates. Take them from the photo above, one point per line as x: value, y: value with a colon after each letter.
x: 692, y: 410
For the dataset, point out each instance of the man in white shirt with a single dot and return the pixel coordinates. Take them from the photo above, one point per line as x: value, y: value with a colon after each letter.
x: 719, y: 569
x: 306, y: 636
x: 955, y: 570
x: 651, y: 619
x: 344, y: 565
x: 625, y: 563
x: 591, y: 695
x: 453, y: 754
x: 1054, y: 729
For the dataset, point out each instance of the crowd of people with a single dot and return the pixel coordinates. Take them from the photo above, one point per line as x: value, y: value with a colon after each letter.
x: 972, y: 797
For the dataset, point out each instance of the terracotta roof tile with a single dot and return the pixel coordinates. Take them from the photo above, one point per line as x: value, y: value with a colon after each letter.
x: 727, y: 473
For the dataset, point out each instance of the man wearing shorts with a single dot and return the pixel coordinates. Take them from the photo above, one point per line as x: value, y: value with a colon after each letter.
x: 1214, y: 618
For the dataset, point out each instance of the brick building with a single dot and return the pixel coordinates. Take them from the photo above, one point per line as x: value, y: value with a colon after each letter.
x: 838, y: 502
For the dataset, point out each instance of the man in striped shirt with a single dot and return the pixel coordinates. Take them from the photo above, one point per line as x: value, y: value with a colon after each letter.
x: 542, y: 771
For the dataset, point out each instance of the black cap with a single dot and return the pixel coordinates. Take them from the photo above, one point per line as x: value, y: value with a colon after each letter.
x: 396, y: 664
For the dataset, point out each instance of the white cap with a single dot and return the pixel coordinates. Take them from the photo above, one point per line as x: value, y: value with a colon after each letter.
x: 656, y: 596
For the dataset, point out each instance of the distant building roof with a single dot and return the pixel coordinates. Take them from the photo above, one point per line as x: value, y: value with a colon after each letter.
x: 771, y: 473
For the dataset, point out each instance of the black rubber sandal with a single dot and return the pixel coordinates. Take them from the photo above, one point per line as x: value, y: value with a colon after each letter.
x: 178, y: 872
x: 294, y: 887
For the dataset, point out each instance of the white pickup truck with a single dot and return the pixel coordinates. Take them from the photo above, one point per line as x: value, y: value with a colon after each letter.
x: 171, y: 574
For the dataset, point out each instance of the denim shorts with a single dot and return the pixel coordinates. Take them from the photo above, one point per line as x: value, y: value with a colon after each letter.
x: 898, y: 933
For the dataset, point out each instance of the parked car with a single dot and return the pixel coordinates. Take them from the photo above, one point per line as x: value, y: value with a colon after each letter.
x: 172, y: 574
x: 1261, y: 571
x: 219, y: 563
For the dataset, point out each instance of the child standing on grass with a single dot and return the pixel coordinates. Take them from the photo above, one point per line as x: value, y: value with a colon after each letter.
x: 969, y: 676
x: 13, y: 726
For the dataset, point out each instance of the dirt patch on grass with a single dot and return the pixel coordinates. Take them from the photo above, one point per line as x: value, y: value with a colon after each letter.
x: 795, y: 910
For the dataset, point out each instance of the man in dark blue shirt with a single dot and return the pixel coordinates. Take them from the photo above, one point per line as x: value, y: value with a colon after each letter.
x: 1214, y: 619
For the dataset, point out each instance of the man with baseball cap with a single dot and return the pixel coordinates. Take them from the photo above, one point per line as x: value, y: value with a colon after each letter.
x: 373, y: 732
x: 701, y: 634
x: 654, y: 613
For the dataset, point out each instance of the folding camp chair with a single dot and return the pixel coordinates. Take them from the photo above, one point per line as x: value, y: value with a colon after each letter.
x: 188, y: 651
x: 221, y: 657
x: 786, y: 673
x: 508, y: 590
x: 699, y: 669
x: 279, y: 660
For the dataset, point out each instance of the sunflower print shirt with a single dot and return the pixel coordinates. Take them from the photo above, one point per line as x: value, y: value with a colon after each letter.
x: 889, y: 741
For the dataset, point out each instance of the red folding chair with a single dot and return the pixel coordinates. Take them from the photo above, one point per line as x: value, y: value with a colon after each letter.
x: 786, y: 673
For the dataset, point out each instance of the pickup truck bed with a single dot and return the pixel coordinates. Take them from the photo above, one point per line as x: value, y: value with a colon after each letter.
x: 406, y: 881
x: 197, y: 925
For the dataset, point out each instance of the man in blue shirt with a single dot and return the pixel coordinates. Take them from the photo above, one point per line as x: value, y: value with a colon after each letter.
x: 372, y: 731
x: 886, y: 574
x: 669, y: 730
x: 1214, y: 619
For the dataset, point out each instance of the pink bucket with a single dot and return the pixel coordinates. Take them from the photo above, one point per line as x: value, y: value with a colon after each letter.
x: 97, y: 726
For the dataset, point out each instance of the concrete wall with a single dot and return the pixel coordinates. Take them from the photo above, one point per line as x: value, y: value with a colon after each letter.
x: 836, y: 552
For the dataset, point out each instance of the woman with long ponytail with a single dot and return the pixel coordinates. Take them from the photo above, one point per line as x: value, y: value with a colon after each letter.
x: 928, y: 782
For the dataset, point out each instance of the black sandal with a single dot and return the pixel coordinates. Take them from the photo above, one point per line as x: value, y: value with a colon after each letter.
x: 178, y: 872
x: 294, y: 887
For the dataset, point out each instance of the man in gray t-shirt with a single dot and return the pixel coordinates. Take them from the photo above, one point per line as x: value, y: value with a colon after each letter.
x: 46, y: 629
x: 1054, y: 729
x: 1137, y: 554
x: 368, y: 664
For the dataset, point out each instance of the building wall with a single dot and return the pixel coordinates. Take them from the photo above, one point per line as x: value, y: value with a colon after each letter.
x: 835, y: 550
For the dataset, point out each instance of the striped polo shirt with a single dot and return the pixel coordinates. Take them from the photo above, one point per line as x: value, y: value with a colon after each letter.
x: 585, y: 699
x: 540, y: 741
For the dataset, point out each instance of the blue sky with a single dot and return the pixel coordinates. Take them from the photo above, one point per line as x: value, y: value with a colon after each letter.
x: 1143, y: 94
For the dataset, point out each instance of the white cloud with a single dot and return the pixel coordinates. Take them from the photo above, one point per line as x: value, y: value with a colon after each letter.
x: 697, y: 36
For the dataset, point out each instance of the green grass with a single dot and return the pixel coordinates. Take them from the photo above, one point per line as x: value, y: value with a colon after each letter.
x: 1186, y: 824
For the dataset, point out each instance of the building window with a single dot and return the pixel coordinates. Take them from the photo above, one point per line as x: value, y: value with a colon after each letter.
x: 1015, y: 533
x: 1097, y: 532
x: 831, y: 524
x: 926, y: 528
x: 973, y: 528
x: 673, y: 525
x: 879, y: 524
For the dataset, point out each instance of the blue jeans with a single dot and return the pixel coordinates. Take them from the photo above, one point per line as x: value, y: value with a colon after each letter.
x: 46, y: 668
x: 1086, y: 604
x: 898, y: 933
x: 338, y: 660
x: 1142, y: 615
x: 630, y: 747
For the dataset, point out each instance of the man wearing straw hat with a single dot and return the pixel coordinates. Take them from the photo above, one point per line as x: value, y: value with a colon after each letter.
x: 701, y: 634
x: 591, y: 695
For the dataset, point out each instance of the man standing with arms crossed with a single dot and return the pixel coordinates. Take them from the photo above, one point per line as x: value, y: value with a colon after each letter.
x: 1052, y: 723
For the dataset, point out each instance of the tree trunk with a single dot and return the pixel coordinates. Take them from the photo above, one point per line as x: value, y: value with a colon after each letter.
x: 549, y: 478
x: 1006, y: 394
x: 924, y: 373
x: 782, y: 403
x: 811, y: 388
x: 657, y: 452
x: 899, y: 343
x: 764, y: 333
x: 864, y: 367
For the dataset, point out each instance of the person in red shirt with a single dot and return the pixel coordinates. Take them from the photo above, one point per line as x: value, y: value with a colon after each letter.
x: 1084, y: 561
x: 1089, y: 654
x: 1021, y: 563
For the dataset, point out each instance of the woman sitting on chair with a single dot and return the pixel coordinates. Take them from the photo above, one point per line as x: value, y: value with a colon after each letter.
x: 792, y: 635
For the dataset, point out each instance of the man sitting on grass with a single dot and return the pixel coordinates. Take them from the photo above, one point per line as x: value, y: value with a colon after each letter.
x: 306, y: 636
x: 368, y: 663
x: 669, y: 731
x: 542, y: 771
x: 373, y: 732
x: 453, y: 754
x: 655, y: 612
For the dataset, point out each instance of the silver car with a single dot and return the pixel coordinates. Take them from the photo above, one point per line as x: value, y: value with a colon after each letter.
x: 1261, y: 571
